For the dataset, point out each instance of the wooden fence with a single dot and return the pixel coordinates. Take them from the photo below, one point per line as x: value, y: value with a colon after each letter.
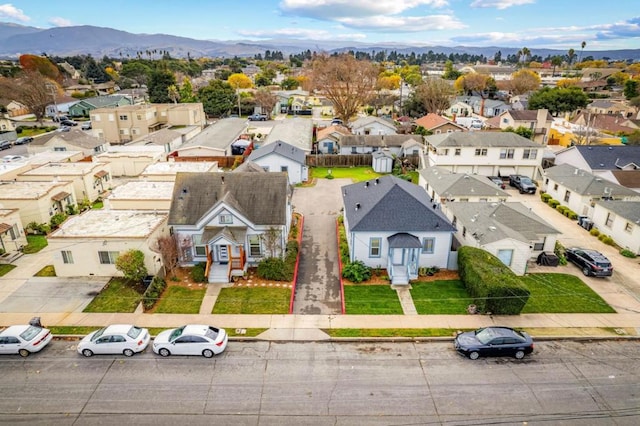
x: 223, y: 162
x: 350, y: 160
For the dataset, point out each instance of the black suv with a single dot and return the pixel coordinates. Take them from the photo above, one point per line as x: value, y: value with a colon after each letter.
x: 592, y: 262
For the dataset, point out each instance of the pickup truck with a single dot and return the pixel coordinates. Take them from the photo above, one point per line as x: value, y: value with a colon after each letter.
x: 523, y: 184
x: 258, y: 117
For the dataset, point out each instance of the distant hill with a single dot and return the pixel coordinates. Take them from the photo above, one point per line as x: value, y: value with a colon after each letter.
x: 99, y: 41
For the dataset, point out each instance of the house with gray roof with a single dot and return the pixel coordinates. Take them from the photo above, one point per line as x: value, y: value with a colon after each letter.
x: 230, y: 220
x: 215, y: 140
x: 282, y: 157
x: 85, y: 106
x: 166, y: 138
x: 485, y: 153
x: 621, y: 221
x: 72, y: 140
x: 398, y: 145
x: 445, y: 186
x: 509, y: 231
x: 294, y: 131
x: 484, y: 107
x: 371, y: 125
x: 580, y: 190
x: 392, y: 223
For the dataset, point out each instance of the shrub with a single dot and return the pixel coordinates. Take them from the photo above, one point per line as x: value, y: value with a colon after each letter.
x: 328, y: 176
x: 553, y: 203
x: 562, y: 209
x: 560, y: 251
x: 494, y: 287
x: 628, y: 253
x: 572, y: 215
x: 594, y: 232
x: 601, y: 237
x: 272, y: 268
x: 57, y: 219
x: 356, y: 271
x: 545, y: 197
x: 197, y: 273
x: 608, y: 240
x: 153, y: 293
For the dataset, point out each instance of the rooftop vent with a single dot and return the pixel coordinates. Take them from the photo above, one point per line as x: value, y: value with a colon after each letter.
x: 366, y: 184
x: 357, y: 206
x: 492, y: 228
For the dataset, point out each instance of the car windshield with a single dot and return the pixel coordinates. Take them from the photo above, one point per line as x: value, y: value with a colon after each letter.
x: 527, y: 181
x: 30, y: 333
x: 176, y: 333
x: 98, y: 334
x: 212, y: 333
x: 134, y: 332
x: 485, y: 335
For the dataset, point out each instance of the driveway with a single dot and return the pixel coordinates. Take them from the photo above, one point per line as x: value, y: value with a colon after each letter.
x: 53, y: 295
x: 318, y: 287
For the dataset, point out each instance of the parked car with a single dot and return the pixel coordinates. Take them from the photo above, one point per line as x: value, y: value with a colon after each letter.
x: 24, y: 339
x: 68, y: 123
x: 63, y: 129
x: 123, y: 339
x: 59, y: 118
x: 23, y: 140
x: 258, y: 117
x: 592, y: 262
x: 498, y: 181
x: 494, y: 341
x: 523, y: 183
x: 12, y: 158
x: 192, y: 339
x: 336, y: 122
x: 5, y: 145
x: 86, y: 125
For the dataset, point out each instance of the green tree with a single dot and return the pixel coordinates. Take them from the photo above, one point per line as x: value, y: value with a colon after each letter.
x: 556, y: 61
x: 217, y: 98
x: 186, y: 91
x: 158, y: 86
x: 631, y: 89
x: 450, y: 73
x: 521, y: 130
x: 95, y: 72
x: 558, y: 99
x: 136, y: 71
x: 131, y: 264
x: 289, y: 83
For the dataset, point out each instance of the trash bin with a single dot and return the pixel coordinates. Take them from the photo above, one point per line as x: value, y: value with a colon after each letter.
x: 35, y: 321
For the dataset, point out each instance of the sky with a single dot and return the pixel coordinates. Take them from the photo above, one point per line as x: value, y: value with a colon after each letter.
x: 555, y: 24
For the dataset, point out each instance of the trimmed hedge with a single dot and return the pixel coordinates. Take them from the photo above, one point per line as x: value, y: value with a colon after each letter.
x: 545, y: 197
x: 553, y: 203
x: 494, y: 287
x: 278, y: 269
x: 153, y: 292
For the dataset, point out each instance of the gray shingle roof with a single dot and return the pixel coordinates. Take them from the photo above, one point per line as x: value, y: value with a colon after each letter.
x: 481, y: 139
x: 261, y: 198
x: 489, y: 222
x: 448, y: 183
x: 391, y: 204
x: 295, y: 131
x: 219, y: 135
x: 279, y: 148
x: 629, y: 210
x: 585, y: 183
x: 73, y: 137
x: 609, y: 157
x: 380, y: 141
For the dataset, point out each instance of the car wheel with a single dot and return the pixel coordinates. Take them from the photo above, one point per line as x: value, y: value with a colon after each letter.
x: 24, y: 353
x: 128, y: 352
x: 585, y: 271
x: 164, y: 352
x: 87, y: 352
x: 519, y: 354
x: 474, y: 355
x: 207, y: 353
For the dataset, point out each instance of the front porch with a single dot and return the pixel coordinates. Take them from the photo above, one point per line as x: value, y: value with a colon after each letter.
x: 404, y: 251
x: 226, y: 256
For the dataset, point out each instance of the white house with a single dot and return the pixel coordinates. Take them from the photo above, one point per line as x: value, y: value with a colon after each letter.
x: 485, y: 153
x: 282, y: 157
x: 510, y: 231
x: 297, y: 132
x: 621, y: 221
x: 328, y: 139
x: 12, y: 236
x: 131, y: 160
x: 366, y: 144
x: 141, y: 195
x: 230, y: 220
x: 391, y: 223
x: 371, y: 125
x: 167, y: 170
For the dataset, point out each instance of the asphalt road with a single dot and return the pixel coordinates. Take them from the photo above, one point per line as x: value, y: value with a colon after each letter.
x: 266, y: 383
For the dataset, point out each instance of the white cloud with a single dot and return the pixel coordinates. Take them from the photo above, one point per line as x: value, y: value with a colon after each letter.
x: 60, y: 22
x: 335, y: 9
x: 403, y: 23
x: 299, y: 33
x: 9, y: 11
x: 500, y: 4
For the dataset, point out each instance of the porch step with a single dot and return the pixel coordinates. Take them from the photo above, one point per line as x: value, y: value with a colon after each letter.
x: 10, y: 257
x: 218, y: 274
x: 402, y: 280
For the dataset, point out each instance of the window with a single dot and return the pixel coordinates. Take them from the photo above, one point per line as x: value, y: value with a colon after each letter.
x: 505, y: 256
x: 108, y: 257
x: 428, y: 245
x: 255, y: 248
x: 567, y: 195
x: 123, y: 117
x: 225, y: 218
x: 198, y: 248
x: 444, y: 151
x: 464, y: 231
x: 505, y: 120
x: 506, y: 153
x: 538, y: 246
x: 530, y: 154
x: 67, y: 257
x: 458, y: 151
x: 374, y: 247
x: 59, y: 148
x: 628, y: 227
x: 284, y: 168
x: 610, y: 218
x: 353, y: 150
x: 555, y: 186
x: 481, y: 152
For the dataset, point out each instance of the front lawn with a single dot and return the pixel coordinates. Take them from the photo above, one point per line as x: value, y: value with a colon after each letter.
x: 117, y: 296
x: 371, y: 300
x: 180, y: 300
x: 35, y: 243
x: 5, y: 268
x: 253, y: 300
x: 356, y: 174
x: 562, y: 293
x: 47, y: 271
x: 440, y: 297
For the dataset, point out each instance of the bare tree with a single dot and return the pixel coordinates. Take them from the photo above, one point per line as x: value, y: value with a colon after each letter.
x: 435, y: 94
x: 266, y: 100
x: 168, y: 248
x: 345, y: 81
x: 271, y: 239
x: 31, y: 89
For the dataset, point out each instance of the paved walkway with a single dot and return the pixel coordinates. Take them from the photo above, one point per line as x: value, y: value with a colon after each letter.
x: 406, y: 301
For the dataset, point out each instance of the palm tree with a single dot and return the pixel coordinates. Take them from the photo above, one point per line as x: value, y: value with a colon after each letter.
x: 571, y: 54
x: 582, y: 45
x: 556, y: 61
x: 526, y: 53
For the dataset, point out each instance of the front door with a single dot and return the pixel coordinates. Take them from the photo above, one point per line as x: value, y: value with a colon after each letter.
x: 397, y: 257
x: 223, y: 254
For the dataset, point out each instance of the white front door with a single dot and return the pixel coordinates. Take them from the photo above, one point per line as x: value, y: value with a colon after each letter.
x: 397, y: 257
x: 223, y: 253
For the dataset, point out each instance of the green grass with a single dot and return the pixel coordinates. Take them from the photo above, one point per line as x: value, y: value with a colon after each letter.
x: 562, y: 293
x: 5, y: 268
x: 391, y: 332
x: 35, y: 243
x: 31, y: 131
x: 97, y: 205
x: 415, y: 176
x: 117, y: 296
x: 256, y: 300
x: 180, y: 300
x: 356, y: 174
x: 47, y: 271
x: 440, y: 297
x: 371, y: 300
x: 71, y: 330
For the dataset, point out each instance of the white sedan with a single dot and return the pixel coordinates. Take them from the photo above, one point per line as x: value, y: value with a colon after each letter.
x: 193, y: 339
x: 123, y: 339
x: 24, y: 339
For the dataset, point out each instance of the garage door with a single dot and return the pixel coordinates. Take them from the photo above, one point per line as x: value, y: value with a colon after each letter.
x: 485, y: 170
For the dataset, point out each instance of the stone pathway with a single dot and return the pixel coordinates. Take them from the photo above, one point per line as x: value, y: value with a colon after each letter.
x: 406, y: 301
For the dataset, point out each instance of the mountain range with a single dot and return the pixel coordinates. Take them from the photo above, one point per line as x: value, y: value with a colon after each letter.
x: 99, y: 41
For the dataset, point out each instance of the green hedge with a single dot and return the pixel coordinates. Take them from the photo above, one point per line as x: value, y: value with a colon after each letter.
x: 553, y: 203
x: 545, y: 197
x: 153, y: 293
x: 494, y: 287
x: 278, y: 269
